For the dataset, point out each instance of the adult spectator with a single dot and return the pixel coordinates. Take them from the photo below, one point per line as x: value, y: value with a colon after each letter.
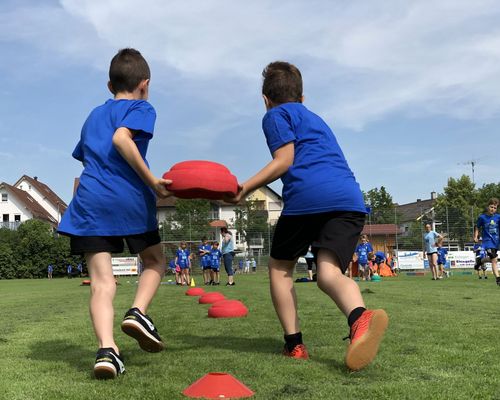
x: 228, y: 254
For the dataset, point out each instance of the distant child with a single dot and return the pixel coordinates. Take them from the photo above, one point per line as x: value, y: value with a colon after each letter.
x: 372, y: 265
x: 309, y: 161
x: 488, y: 225
x: 183, y: 260
x: 204, y: 253
x: 116, y: 200
x: 430, y: 240
x: 361, y: 252
x: 215, y: 257
x: 442, y: 253
x: 247, y: 266
x: 481, y: 259
x: 69, y: 270
x: 50, y: 270
x: 254, y: 265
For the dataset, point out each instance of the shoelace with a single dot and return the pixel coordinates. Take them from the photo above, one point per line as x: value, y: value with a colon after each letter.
x: 360, y: 323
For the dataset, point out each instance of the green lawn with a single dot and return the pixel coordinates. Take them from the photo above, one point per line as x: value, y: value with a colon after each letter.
x: 442, y: 342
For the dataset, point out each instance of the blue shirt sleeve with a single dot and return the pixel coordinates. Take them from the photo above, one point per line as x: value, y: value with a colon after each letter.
x: 78, y: 152
x: 140, y: 118
x: 277, y: 127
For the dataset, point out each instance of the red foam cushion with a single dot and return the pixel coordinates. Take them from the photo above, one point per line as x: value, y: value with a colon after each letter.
x: 201, y: 179
x: 209, y: 298
x: 228, y: 309
x: 195, y: 291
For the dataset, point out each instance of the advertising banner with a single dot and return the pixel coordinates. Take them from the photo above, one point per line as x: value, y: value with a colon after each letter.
x: 410, y: 260
x: 124, y: 265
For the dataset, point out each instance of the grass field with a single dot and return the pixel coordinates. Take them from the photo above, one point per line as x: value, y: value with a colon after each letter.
x: 442, y: 342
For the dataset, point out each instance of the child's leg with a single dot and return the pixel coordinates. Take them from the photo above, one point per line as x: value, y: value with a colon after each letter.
x: 283, y: 294
x: 342, y: 290
x: 154, y: 269
x: 102, y: 293
x: 494, y: 267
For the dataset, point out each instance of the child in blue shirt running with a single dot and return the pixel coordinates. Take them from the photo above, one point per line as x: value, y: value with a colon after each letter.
x: 116, y: 201
x: 323, y: 207
x: 481, y: 259
x: 488, y: 224
x: 361, y: 252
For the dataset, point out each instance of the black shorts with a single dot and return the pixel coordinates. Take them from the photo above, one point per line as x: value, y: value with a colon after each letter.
x: 113, y: 244
x: 337, y: 231
x: 492, y: 253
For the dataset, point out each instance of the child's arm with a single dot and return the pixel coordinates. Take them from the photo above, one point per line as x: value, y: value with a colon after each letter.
x: 476, y: 234
x: 122, y: 140
x: 282, y: 160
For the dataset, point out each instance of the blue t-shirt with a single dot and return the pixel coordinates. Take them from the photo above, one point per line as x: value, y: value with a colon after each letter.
x: 227, y: 246
x: 479, y: 251
x: 182, y: 257
x: 430, y: 242
x: 50, y: 268
x: 215, y: 256
x: 205, y: 257
x: 362, y: 251
x: 319, y: 179
x: 442, y: 252
x: 488, y: 226
x: 111, y: 199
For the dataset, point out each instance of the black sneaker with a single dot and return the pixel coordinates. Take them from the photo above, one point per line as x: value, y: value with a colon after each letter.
x: 108, y: 364
x: 498, y: 281
x: 230, y: 284
x: 142, y: 329
x: 485, y: 277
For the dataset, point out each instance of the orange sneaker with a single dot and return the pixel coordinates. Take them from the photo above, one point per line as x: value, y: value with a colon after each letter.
x: 299, y: 352
x: 366, y: 335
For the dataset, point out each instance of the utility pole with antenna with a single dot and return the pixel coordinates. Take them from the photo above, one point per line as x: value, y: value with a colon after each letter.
x: 472, y: 163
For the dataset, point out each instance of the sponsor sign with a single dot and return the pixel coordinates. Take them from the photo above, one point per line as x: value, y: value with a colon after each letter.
x: 410, y: 260
x: 124, y: 265
x: 454, y: 259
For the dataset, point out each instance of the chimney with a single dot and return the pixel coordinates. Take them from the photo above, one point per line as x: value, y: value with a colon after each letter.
x: 433, y: 196
x: 35, y: 178
x: 419, y: 200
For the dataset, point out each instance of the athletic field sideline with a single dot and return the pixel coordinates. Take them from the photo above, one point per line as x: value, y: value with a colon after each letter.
x: 442, y: 342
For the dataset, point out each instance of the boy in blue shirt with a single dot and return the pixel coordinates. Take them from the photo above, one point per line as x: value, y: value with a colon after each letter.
x: 488, y: 224
x: 442, y: 253
x: 116, y: 200
x: 362, y: 251
x: 215, y: 257
x: 323, y: 207
x: 204, y: 253
x: 183, y: 260
x: 481, y: 259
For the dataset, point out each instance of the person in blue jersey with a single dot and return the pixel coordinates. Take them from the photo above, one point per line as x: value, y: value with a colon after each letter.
x: 323, y: 207
x: 481, y: 259
x: 204, y: 253
x: 215, y: 257
x: 116, y: 201
x: 488, y: 225
x: 183, y: 260
x: 361, y: 252
x: 430, y: 242
x: 50, y: 270
x: 69, y: 270
x: 442, y: 253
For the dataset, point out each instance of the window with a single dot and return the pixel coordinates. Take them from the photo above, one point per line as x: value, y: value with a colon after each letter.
x: 5, y: 218
x: 5, y: 197
x: 17, y: 217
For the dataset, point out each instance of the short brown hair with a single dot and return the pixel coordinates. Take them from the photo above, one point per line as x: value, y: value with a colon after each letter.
x: 494, y: 201
x: 282, y: 83
x: 128, y: 68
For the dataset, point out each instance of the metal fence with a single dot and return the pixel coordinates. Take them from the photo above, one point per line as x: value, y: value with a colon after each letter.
x: 401, y: 232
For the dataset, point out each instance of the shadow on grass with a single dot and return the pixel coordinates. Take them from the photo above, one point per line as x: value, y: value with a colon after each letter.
x: 253, y: 345
x: 74, y: 355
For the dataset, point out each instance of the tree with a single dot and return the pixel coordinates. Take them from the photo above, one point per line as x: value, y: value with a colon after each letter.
x: 485, y: 193
x: 381, y: 205
x: 456, y: 209
x: 190, y: 221
x: 251, y: 222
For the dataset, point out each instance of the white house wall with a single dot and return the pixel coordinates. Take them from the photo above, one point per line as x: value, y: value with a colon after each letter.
x: 13, y: 207
x: 41, y: 199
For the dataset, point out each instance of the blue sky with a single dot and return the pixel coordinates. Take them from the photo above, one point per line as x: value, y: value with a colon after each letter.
x: 411, y: 89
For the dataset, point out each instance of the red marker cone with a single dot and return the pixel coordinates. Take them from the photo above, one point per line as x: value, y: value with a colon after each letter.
x: 212, y: 297
x: 227, y: 309
x: 195, y: 291
x: 218, y: 385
